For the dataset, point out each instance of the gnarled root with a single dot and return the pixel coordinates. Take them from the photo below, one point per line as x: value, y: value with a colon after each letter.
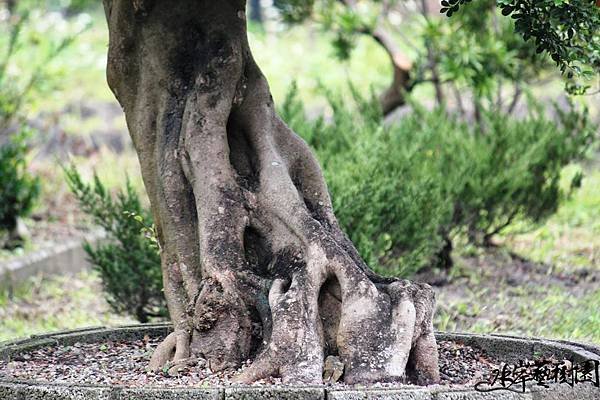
x: 331, y: 307
x: 172, y: 354
x: 221, y: 330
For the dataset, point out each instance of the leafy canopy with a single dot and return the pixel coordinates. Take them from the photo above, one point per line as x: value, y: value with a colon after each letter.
x: 568, y: 30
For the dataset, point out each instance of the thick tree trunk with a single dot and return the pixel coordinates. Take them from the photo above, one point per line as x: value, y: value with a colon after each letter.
x: 254, y: 262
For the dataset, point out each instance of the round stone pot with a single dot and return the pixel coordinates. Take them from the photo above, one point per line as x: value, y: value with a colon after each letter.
x: 507, y: 349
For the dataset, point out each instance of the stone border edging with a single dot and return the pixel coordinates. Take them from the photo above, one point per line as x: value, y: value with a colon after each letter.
x: 65, y: 257
x: 504, y: 347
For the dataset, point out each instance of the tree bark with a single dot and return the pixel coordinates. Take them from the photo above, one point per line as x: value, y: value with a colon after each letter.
x: 395, y: 95
x: 254, y: 262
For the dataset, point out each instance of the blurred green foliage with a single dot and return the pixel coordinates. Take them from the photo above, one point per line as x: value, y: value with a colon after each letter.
x: 68, y: 7
x: 75, y: 6
x: 480, y: 47
x: 18, y: 188
x: 27, y: 54
x: 345, y: 20
x: 478, y: 50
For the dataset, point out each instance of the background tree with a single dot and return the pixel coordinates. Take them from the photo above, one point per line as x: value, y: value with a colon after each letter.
x: 566, y: 30
x: 476, y: 49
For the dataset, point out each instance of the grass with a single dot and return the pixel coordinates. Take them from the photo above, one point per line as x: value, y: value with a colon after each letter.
x: 57, y: 303
x: 559, y: 300
x: 570, y: 239
x: 551, y: 312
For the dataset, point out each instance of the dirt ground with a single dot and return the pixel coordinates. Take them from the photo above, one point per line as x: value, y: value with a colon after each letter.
x: 501, y: 292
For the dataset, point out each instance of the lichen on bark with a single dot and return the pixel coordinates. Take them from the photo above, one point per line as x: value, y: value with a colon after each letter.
x: 255, y: 265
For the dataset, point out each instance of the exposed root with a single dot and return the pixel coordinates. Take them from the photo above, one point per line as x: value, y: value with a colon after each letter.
x: 172, y: 353
x: 333, y: 369
x: 375, y: 329
x: 295, y: 349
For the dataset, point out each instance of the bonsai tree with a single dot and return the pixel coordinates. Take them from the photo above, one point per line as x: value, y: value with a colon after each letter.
x: 254, y: 262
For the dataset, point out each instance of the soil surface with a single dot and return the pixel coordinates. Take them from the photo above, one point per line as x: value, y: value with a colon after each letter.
x: 498, y: 291
x: 124, y: 363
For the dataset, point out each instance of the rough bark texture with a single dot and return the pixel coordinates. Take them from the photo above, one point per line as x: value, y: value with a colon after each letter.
x: 254, y: 262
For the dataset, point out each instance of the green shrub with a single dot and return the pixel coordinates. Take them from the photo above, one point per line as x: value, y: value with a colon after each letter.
x: 385, y: 195
x: 401, y: 191
x: 129, y: 262
x: 18, y: 188
x: 510, y: 169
